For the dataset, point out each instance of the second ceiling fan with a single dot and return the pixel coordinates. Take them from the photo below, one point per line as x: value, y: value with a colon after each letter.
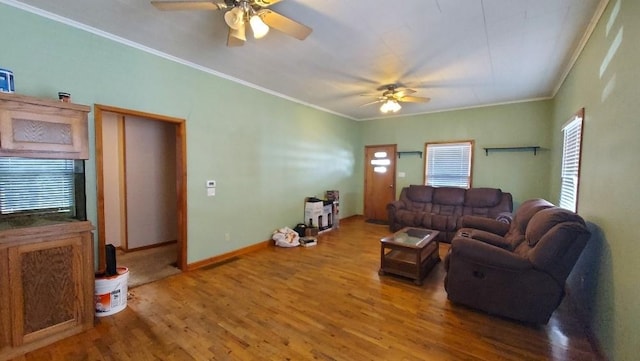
x: 393, y: 95
x: 243, y: 12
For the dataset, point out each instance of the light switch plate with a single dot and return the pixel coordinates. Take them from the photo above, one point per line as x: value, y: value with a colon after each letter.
x: 211, y: 183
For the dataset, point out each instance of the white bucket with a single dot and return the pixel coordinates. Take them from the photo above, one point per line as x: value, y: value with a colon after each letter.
x: 111, y: 293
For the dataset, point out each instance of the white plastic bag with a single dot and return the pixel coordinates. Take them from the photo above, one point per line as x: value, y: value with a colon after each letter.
x: 286, y: 237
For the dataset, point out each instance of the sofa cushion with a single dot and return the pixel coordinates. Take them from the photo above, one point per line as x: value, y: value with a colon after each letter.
x: 407, y: 218
x: 443, y: 223
x: 546, y: 219
x: 446, y: 210
x: 478, y: 212
x: 414, y: 206
x: 482, y: 197
x: 420, y: 193
x: 449, y: 196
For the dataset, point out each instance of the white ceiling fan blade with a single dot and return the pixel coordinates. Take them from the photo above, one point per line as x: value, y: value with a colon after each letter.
x: 409, y: 99
x: 373, y: 102
x: 284, y: 24
x: 189, y: 5
x: 403, y: 92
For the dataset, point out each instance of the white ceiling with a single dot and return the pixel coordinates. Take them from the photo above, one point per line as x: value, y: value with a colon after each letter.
x: 460, y: 53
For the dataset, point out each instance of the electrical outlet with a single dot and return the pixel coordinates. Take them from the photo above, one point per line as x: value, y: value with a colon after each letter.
x: 227, y: 236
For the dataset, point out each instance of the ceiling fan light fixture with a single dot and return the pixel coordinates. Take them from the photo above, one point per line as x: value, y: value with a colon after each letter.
x: 259, y: 28
x: 391, y: 105
x: 234, y: 18
x: 238, y: 33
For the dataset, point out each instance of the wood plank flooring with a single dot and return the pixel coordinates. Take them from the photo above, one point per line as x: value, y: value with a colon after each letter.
x: 320, y: 303
x: 149, y: 265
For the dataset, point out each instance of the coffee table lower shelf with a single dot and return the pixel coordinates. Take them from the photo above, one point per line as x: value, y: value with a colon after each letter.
x: 411, y: 262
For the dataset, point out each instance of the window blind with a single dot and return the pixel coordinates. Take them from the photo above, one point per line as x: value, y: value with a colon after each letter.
x: 572, y: 135
x: 36, y: 185
x: 449, y: 164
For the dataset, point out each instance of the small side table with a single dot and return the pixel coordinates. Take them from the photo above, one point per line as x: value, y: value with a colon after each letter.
x: 410, y: 252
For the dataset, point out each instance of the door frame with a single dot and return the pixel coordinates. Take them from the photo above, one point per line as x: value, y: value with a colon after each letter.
x: 181, y: 177
x: 393, y: 170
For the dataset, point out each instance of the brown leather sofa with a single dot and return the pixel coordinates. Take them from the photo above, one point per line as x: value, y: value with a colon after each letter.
x: 441, y: 208
x: 519, y: 270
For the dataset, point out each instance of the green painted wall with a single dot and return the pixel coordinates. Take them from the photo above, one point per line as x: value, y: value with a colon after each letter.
x: 522, y: 124
x: 605, y: 82
x: 266, y: 153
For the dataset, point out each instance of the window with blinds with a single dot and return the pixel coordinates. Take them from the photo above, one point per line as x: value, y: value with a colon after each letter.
x: 30, y: 186
x: 570, y: 175
x: 448, y: 164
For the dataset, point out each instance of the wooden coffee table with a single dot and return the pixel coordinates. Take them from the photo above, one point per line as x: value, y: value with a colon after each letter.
x: 410, y: 252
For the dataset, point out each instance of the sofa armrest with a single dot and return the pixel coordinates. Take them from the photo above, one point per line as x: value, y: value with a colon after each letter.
x: 396, y: 205
x: 485, y: 254
x: 486, y: 237
x: 485, y: 224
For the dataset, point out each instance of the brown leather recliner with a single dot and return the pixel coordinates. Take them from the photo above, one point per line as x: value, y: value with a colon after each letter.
x: 519, y: 271
x: 501, y: 234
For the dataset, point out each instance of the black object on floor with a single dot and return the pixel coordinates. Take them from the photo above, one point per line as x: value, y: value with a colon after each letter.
x: 110, y: 252
x: 377, y: 221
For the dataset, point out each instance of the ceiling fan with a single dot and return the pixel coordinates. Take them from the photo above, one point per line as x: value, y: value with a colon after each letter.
x: 393, y: 95
x: 241, y: 12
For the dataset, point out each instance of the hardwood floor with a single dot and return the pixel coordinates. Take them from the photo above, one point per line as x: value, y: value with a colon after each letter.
x: 150, y: 264
x: 325, y: 303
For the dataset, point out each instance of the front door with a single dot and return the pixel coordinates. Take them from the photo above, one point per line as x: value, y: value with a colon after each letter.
x: 379, y: 181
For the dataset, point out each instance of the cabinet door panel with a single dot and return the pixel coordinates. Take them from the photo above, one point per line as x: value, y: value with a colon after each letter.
x: 22, y: 131
x: 46, y: 290
x: 42, y: 128
x: 5, y: 301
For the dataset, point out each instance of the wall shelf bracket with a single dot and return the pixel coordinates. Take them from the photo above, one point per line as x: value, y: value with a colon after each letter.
x: 532, y: 148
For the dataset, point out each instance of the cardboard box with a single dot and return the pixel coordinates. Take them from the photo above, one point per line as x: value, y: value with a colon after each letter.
x: 313, y: 212
x: 311, y: 232
x: 332, y: 195
x: 327, y: 215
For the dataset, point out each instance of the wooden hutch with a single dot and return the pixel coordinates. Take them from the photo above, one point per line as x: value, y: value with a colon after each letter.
x: 46, y: 266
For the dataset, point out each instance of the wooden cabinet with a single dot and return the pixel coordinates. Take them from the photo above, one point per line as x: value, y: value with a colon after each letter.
x: 46, y: 284
x: 42, y: 128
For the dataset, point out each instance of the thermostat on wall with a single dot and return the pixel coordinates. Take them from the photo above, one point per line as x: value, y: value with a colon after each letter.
x: 211, y: 184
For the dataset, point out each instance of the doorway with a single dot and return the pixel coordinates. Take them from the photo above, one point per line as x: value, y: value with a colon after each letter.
x: 178, y: 167
x: 379, y: 181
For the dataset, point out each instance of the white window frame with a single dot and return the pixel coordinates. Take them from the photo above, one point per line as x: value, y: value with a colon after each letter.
x: 571, y: 159
x: 453, y: 163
